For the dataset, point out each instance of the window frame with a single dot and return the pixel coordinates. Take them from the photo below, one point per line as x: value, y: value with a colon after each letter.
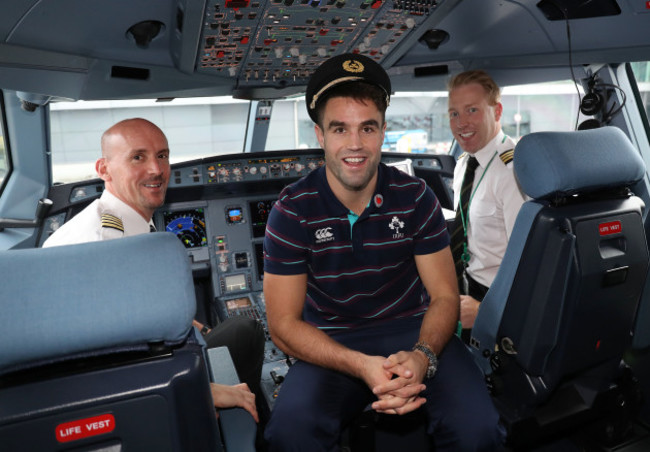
x: 7, y: 148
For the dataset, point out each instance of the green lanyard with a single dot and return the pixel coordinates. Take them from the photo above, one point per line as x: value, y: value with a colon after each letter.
x: 465, y: 255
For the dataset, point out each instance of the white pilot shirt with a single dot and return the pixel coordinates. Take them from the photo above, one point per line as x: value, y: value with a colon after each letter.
x: 493, y: 207
x: 101, y: 220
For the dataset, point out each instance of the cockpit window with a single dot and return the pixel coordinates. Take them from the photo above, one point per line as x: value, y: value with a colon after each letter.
x: 290, y: 126
x: 5, y: 163
x: 195, y: 128
x: 417, y: 122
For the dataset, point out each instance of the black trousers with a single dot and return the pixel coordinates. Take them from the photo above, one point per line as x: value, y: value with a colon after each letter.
x: 478, y: 291
x: 315, y: 403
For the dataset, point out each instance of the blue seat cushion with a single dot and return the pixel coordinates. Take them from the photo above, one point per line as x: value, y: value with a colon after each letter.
x: 91, y: 298
x: 552, y: 163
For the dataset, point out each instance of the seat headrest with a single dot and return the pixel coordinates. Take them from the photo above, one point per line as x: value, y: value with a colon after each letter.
x: 85, y: 299
x: 550, y: 163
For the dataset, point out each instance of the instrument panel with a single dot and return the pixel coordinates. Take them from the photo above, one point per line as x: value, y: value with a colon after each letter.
x: 226, y: 235
x: 218, y: 208
x: 269, y: 166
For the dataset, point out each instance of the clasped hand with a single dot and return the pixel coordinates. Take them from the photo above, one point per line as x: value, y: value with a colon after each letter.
x: 397, y: 382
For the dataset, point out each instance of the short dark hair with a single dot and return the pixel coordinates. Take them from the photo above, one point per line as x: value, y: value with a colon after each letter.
x: 359, y: 91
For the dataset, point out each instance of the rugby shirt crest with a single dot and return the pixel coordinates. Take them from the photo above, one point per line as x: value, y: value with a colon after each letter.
x: 364, y: 274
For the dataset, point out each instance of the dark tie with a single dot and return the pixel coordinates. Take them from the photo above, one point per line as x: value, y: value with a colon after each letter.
x: 152, y: 228
x: 458, y: 238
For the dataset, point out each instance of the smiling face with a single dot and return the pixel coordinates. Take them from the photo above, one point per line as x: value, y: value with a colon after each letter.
x: 473, y: 121
x: 351, y: 135
x: 135, y: 164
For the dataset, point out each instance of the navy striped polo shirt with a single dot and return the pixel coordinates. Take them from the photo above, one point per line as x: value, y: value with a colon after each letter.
x: 359, y: 275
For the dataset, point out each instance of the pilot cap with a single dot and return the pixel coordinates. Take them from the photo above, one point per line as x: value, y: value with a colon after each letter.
x: 344, y: 68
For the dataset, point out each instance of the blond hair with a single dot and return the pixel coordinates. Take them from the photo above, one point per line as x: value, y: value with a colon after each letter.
x: 481, y: 77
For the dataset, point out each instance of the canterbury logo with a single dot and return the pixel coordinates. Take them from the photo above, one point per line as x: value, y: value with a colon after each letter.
x: 323, y: 234
x: 353, y: 66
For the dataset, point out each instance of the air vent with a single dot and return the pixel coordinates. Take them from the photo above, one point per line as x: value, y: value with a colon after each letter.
x: 578, y: 9
x: 427, y: 71
x: 132, y: 73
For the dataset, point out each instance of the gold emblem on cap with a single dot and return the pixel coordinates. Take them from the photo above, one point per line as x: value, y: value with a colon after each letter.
x: 353, y: 66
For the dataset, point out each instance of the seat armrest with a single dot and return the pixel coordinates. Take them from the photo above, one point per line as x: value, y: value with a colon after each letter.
x: 237, y: 425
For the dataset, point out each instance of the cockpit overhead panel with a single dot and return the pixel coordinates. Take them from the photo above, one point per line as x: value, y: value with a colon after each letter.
x: 275, y: 43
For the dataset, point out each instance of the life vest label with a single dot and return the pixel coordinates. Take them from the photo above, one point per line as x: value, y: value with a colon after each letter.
x: 84, y: 428
x: 612, y: 227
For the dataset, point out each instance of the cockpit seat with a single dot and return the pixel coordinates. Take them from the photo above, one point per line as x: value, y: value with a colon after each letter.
x: 98, y: 352
x: 552, y: 330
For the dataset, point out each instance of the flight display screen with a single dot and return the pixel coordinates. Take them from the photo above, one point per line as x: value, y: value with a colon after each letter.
x: 259, y: 215
x: 234, y: 215
x: 238, y: 303
x: 188, y: 225
x: 235, y: 283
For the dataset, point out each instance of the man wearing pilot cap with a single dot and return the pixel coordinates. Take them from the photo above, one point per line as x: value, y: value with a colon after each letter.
x: 360, y: 285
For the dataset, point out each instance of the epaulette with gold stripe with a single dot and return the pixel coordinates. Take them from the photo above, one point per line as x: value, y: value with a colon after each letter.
x: 507, y: 156
x: 111, y: 221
